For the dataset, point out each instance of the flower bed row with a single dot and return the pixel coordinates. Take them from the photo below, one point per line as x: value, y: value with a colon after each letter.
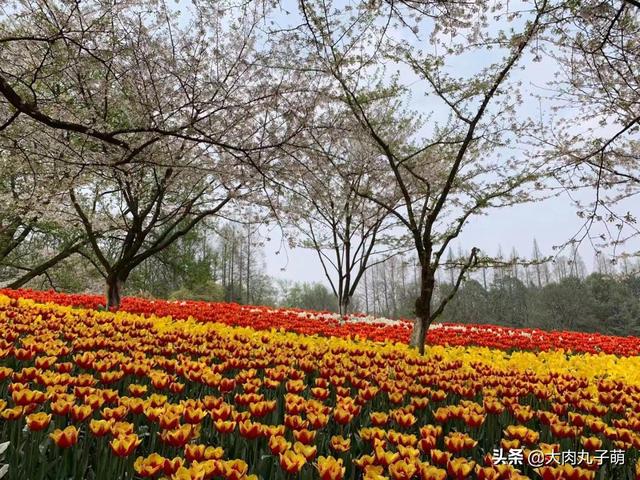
x: 88, y: 394
x: 327, y: 324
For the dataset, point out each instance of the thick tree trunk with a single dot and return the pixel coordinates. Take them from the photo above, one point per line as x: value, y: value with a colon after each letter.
x: 114, y: 289
x: 423, y: 311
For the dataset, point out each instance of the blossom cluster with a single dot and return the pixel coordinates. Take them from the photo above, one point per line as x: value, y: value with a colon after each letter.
x: 104, y: 395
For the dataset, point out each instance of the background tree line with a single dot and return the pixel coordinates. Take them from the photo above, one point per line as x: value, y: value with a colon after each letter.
x: 561, y: 293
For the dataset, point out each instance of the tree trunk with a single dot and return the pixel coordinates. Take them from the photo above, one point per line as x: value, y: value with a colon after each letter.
x: 343, y: 306
x: 114, y: 289
x: 366, y: 293
x: 423, y: 310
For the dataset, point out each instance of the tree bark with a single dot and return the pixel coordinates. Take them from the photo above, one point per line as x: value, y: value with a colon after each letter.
x: 114, y: 290
x: 344, y: 305
x: 423, y: 310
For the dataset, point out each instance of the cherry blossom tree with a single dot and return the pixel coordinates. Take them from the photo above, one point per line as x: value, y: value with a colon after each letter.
x: 33, y: 234
x: 461, y: 164
x: 156, y: 116
x: 594, y: 133
x: 121, y: 77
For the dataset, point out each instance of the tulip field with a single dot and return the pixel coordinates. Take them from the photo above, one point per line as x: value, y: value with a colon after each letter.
x: 193, y: 390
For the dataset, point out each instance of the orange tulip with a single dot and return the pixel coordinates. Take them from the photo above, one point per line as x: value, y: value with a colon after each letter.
x: 278, y: 444
x: 149, y: 466
x: 384, y: 457
x: 509, y: 444
x: 439, y: 457
x: 330, y: 468
x: 551, y: 473
x: 455, y: 442
x: 273, y: 430
x: 61, y: 407
x: 65, y: 438
x: 441, y: 415
x: 260, y: 409
x: 487, y: 473
x: 194, y: 472
x: 178, y: 437
x: 249, y: 429
x: 117, y: 413
x: 295, y: 422
x: 38, y: 421
x: 429, y: 472
x: 364, y: 461
x: 374, y: 472
x: 317, y: 419
x: 170, y: 467
x: 591, y: 443
x: 560, y: 430
x: 94, y: 401
x: 405, y: 420
x: 309, y: 451
x: 26, y: 397
x: 226, y: 385
x: 12, y: 413
x: 169, y: 420
x: 194, y: 415
x: 304, y: 436
x: 176, y: 387
x: 370, y: 434
x: 342, y: 416
x: 80, y: 412
x: 211, y: 402
x: 473, y: 420
x: 225, y: 426
x: 430, y: 431
x: 223, y: 412
x: 522, y: 433
x: 379, y: 418
x: 235, y: 469
x: 426, y: 444
x: 460, y: 468
x: 408, y: 452
x: 340, y: 444
x: 402, y: 470
x: 137, y: 390
x: 292, y: 462
x: 320, y: 393
x: 240, y: 416
x: 5, y: 372
x: 124, y: 445
x: 202, y: 452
